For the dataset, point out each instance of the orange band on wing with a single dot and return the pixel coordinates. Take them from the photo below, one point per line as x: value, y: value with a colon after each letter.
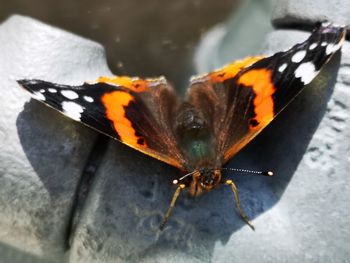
x: 137, y: 85
x: 115, y: 104
x: 232, y: 69
x: 261, y: 82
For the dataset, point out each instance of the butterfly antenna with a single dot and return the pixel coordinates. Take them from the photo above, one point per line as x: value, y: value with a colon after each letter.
x: 238, y: 204
x: 265, y: 173
x: 172, y: 204
x: 176, y: 181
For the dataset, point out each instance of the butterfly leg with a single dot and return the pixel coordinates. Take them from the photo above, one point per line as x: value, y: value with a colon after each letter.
x: 238, y: 204
x: 172, y: 204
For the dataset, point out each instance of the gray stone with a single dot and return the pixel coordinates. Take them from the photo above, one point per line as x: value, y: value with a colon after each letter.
x: 42, y: 153
x: 236, y: 38
x: 306, y: 12
x: 300, y: 215
x: 10, y: 254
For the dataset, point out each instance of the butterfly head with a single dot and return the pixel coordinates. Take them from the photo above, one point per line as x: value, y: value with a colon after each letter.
x: 204, y: 180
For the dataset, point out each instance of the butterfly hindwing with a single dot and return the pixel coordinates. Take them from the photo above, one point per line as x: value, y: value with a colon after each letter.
x: 244, y: 97
x: 133, y: 111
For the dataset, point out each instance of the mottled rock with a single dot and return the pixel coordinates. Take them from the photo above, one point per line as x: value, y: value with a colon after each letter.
x: 305, y: 12
x: 300, y: 215
x: 42, y: 153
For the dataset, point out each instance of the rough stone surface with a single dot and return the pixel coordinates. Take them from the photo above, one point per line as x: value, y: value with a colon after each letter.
x: 42, y: 153
x: 306, y: 12
x: 300, y: 215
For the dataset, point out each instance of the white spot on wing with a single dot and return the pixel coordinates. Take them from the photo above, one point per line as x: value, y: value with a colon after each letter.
x: 88, y: 99
x: 42, y: 91
x: 313, y: 46
x: 282, y: 67
x: 323, y: 44
x: 306, y: 72
x: 52, y: 90
x: 331, y: 48
x: 297, y: 57
x: 38, y: 96
x: 69, y: 94
x: 72, y: 110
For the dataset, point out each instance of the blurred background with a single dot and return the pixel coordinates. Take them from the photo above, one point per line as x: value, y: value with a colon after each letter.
x: 154, y: 37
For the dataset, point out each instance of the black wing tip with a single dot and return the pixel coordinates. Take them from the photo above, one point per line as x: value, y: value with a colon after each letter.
x: 333, y: 33
x: 22, y: 82
x: 26, y: 83
x: 326, y: 26
x: 29, y: 81
x: 31, y: 85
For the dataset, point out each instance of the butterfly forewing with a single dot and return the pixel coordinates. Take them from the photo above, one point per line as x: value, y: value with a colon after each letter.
x: 137, y: 113
x: 242, y: 102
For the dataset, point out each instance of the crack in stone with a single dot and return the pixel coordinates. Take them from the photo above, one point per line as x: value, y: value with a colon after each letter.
x: 83, y: 187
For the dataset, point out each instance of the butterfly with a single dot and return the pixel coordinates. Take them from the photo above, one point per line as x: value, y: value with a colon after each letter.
x: 222, y: 112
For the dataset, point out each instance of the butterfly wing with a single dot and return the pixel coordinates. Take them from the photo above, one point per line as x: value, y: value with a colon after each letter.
x: 239, y: 100
x: 134, y: 111
x: 245, y: 96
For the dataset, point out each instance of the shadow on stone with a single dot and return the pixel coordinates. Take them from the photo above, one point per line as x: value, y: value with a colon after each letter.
x: 57, y: 149
x: 51, y: 143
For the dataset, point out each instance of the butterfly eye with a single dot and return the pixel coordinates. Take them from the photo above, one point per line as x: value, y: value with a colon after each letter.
x: 210, y: 178
x: 207, y: 180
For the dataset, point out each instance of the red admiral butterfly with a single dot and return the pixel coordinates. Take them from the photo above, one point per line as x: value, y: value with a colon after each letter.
x: 223, y: 111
